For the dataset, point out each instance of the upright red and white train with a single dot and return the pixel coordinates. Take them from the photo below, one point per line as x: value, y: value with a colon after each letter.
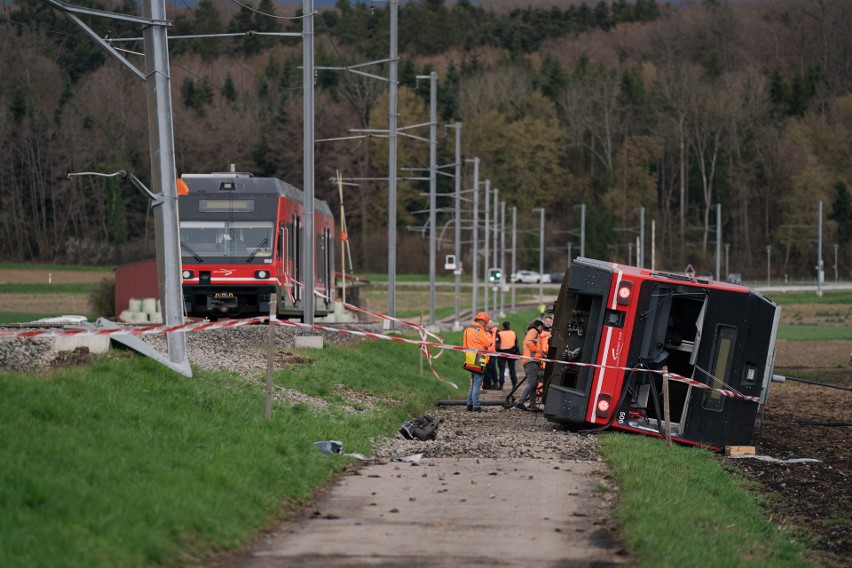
x: 241, y: 244
x: 619, y: 326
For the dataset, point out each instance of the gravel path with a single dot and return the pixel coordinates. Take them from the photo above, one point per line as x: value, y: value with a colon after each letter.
x: 498, y: 488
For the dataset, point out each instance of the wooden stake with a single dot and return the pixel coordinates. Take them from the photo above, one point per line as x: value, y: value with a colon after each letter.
x: 666, y: 417
x: 270, y: 356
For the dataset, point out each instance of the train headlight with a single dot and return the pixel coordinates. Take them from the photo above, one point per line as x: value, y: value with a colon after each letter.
x: 261, y: 274
x: 604, y: 405
x: 624, y: 292
x: 187, y: 274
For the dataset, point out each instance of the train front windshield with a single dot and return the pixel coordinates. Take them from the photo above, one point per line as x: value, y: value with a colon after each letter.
x: 240, y: 241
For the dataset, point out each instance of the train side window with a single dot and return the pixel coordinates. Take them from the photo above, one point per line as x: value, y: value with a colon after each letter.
x: 723, y: 354
x: 282, y: 240
x: 614, y: 318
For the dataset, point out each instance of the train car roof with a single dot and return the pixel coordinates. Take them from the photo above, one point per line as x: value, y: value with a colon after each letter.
x: 243, y: 182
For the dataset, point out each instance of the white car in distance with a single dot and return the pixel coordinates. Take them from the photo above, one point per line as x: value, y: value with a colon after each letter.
x: 526, y: 277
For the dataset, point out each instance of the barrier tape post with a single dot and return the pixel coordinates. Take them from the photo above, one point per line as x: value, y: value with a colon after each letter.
x: 270, y: 356
x: 666, y: 407
x: 421, y: 349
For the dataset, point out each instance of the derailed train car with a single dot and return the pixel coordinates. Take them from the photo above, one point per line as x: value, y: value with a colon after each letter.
x: 618, y: 328
x: 241, y: 242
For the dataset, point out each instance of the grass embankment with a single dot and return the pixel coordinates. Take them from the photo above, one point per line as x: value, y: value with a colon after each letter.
x: 123, y: 463
x: 679, y: 508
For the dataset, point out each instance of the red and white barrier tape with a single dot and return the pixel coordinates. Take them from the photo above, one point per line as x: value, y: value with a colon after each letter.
x: 422, y: 344
x: 424, y: 333
x: 148, y: 330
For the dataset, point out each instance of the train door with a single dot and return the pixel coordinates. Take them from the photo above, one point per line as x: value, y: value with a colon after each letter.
x: 281, y: 255
x: 670, y: 340
x: 323, y: 262
x: 296, y: 249
x: 319, y: 262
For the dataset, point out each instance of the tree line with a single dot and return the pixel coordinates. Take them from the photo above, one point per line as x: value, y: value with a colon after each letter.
x: 615, y: 105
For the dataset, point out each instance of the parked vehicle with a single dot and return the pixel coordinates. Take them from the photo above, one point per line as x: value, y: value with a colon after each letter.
x: 526, y: 277
x: 557, y: 277
x: 735, y: 278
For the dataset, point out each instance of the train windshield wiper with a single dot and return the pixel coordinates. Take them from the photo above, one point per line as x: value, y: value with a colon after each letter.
x: 190, y: 251
x: 262, y: 244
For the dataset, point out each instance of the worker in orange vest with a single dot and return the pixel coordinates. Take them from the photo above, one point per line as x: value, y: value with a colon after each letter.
x: 489, y: 381
x: 533, y: 367
x: 507, y: 342
x: 477, y: 336
x: 546, y: 333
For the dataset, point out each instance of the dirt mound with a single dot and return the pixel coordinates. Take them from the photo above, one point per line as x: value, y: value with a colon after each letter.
x: 813, y: 496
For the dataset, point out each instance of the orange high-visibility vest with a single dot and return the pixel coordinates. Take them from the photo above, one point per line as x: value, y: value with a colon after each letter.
x: 532, y: 345
x: 507, y: 339
x: 545, y: 342
x: 476, y: 337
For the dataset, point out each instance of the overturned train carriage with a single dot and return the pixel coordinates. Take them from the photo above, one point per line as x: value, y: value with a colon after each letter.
x: 241, y: 241
x: 620, y: 327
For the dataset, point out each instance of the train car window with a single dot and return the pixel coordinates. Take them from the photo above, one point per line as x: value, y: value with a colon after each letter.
x: 614, y: 318
x: 656, y: 324
x: 282, y: 240
x: 723, y: 354
x: 217, y: 239
x: 699, y: 326
x: 252, y: 237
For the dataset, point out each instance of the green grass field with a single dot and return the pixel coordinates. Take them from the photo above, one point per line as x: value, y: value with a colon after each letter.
x: 124, y: 463
x: 80, y: 288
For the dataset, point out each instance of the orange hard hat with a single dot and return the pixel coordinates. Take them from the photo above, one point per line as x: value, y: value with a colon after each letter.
x: 482, y: 316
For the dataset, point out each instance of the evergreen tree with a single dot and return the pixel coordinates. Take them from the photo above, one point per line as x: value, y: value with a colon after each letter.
x: 266, y: 23
x: 229, y: 89
x: 553, y: 78
x: 448, y: 94
x: 243, y: 21
x: 841, y: 212
x: 207, y: 21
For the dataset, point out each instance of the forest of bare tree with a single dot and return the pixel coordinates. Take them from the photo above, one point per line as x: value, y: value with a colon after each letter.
x: 622, y: 105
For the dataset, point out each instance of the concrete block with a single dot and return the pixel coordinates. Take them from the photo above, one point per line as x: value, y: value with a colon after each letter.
x: 308, y: 341
x: 95, y: 344
x: 149, y: 305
